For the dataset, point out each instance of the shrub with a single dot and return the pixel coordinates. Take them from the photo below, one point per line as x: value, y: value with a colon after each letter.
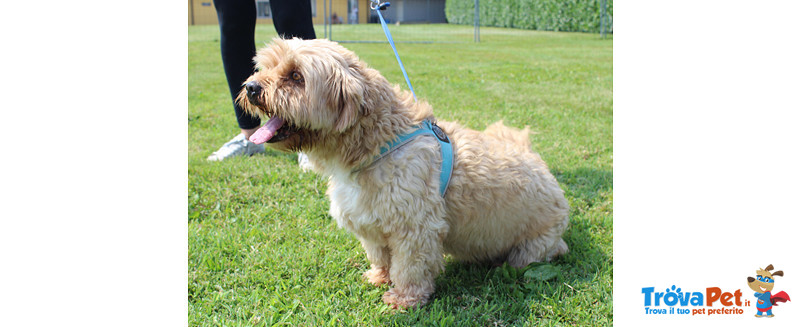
x: 545, y: 15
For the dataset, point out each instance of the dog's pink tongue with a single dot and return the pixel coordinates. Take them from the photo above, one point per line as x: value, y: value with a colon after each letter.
x: 267, y: 131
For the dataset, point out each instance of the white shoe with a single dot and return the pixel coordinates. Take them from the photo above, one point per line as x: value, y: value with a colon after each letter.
x: 302, y: 160
x: 238, y: 146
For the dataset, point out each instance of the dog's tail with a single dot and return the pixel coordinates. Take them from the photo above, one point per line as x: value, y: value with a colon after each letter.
x: 520, y: 138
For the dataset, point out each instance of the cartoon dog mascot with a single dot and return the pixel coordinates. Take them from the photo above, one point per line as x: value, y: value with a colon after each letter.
x: 763, y: 284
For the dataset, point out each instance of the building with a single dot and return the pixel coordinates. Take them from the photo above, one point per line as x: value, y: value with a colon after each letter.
x: 201, y: 12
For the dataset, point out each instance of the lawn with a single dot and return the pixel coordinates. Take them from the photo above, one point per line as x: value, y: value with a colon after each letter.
x: 264, y: 251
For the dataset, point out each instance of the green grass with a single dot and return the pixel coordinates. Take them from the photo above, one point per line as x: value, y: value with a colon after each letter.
x: 264, y: 251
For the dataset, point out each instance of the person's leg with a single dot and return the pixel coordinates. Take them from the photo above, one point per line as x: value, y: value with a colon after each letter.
x: 237, y: 23
x: 292, y: 18
x: 237, y: 26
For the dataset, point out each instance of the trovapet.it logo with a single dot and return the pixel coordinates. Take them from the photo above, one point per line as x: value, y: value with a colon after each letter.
x: 715, y: 300
x: 676, y: 301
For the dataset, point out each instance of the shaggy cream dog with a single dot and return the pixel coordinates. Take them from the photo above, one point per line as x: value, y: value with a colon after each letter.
x: 502, y: 203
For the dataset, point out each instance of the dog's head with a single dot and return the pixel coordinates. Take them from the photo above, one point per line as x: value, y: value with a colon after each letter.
x: 306, y: 89
x: 765, y: 280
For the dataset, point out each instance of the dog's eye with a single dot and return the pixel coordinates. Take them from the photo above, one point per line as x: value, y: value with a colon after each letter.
x: 297, y: 77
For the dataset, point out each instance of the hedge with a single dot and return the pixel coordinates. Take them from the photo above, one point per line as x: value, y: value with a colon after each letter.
x: 545, y: 15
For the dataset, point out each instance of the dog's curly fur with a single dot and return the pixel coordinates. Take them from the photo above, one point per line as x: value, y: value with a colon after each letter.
x: 502, y: 204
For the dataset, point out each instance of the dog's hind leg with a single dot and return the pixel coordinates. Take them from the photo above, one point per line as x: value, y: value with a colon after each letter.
x: 543, y: 247
x: 535, y: 250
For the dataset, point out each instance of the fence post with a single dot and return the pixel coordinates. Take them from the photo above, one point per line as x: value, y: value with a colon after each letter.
x: 603, y: 18
x: 477, y: 22
x: 191, y: 10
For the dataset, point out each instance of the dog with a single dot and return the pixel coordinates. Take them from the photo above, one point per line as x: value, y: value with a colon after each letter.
x: 501, y: 203
x: 763, y: 285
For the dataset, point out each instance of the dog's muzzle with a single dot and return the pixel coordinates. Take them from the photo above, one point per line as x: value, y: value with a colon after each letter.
x: 253, y: 91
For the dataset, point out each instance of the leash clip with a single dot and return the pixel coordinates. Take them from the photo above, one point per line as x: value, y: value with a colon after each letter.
x: 378, y: 5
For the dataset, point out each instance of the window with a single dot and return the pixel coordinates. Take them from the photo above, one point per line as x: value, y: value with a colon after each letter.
x: 263, y: 10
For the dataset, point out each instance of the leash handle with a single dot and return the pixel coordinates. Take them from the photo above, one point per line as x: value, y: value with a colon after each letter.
x: 378, y: 6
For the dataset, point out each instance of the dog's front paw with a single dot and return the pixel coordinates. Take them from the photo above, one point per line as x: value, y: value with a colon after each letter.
x: 399, y: 300
x: 377, y: 276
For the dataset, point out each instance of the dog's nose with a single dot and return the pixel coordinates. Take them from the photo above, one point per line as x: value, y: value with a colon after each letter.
x: 253, y: 89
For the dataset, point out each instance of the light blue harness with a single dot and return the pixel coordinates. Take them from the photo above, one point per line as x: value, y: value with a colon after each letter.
x: 426, y: 128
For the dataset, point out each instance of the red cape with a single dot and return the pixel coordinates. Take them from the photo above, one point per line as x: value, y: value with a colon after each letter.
x: 779, y: 297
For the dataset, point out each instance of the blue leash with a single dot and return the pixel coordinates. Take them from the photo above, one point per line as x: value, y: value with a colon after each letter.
x: 425, y: 128
x: 382, y: 6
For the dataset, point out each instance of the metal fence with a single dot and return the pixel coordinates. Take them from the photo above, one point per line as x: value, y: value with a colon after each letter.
x: 413, y: 21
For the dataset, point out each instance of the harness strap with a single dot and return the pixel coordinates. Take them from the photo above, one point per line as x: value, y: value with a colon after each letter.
x: 426, y: 128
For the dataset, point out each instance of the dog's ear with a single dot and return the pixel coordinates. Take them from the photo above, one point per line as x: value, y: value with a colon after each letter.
x: 778, y: 273
x: 350, y: 101
x: 769, y: 268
